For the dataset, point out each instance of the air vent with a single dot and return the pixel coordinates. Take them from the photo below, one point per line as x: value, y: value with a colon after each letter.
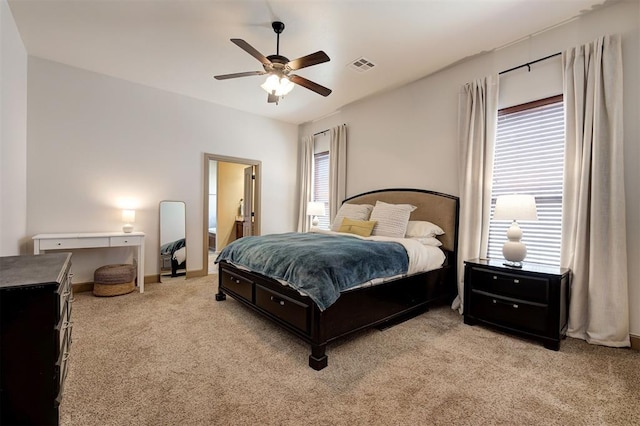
x: 361, y: 65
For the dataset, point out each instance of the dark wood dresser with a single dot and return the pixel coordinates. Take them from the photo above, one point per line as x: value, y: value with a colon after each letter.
x: 532, y: 301
x: 35, y: 337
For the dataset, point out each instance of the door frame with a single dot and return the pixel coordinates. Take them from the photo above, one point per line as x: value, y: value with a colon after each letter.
x: 257, y: 165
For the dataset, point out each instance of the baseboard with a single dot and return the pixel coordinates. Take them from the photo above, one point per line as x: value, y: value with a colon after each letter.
x: 81, y: 287
x: 197, y: 274
x: 635, y: 342
x: 148, y: 279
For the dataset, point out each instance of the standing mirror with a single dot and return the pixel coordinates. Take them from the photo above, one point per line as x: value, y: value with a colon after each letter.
x: 173, y: 243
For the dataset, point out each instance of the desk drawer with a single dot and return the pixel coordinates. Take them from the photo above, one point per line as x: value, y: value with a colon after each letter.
x: 291, y: 311
x: 237, y: 285
x: 71, y: 243
x: 509, y: 313
x: 125, y: 241
x: 510, y: 285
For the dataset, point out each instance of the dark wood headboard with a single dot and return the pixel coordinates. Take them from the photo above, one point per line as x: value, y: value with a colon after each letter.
x: 441, y: 209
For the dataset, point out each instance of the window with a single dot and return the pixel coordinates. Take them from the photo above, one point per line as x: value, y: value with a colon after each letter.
x: 321, y: 185
x: 528, y: 159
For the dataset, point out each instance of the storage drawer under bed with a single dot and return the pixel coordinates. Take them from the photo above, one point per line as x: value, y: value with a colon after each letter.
x: 237, y: 285
x: 293, y: 312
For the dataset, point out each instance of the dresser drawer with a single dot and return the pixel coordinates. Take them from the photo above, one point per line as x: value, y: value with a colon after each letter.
x: 510, y: 285
x: 291, y: 311
x: 509, y: 313
x: 71, y: 243
x: 125, y: 241
x: 237, y: 285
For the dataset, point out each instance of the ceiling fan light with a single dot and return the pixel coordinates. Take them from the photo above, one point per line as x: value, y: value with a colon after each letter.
x: 278, y: 86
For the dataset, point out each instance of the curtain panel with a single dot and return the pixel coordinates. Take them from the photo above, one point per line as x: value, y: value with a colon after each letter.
x: 306, y: 182
x: 477, y: 126
x: 593, y: 219
x: 337, y: 169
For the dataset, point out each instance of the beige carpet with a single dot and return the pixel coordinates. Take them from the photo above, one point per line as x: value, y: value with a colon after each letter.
x: 175, y: 356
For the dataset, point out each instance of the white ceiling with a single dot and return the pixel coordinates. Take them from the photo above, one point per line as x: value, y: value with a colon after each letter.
x: 179, y: 45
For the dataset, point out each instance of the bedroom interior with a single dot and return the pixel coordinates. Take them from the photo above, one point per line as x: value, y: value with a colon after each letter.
x: 66, y: 122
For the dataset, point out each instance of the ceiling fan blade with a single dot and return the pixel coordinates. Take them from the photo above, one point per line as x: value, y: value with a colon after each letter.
x: 315, y: 87
x: 306, y: 61
x: 251, y: 51
x: 272, y: 98
x: 238, y: 74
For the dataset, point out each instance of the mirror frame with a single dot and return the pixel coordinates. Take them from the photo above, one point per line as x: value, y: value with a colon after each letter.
x: 175, y: 245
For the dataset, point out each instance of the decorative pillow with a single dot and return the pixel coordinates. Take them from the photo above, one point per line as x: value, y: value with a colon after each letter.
x: 352, y: 211
x: 392, y: 219
x: 427, y: 241
x: 422, y: 228
x: 358, y: 227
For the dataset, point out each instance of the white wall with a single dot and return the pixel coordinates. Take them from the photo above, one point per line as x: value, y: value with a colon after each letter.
x: 96, y: 142
x: 407, y: 137
x: 13, y: 137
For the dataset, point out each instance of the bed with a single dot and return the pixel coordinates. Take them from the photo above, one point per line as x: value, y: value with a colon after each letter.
x: 380, y: 303
x: 174, y: 256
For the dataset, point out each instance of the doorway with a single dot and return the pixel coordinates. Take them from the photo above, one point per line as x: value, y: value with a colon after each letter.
x: 231, y: 203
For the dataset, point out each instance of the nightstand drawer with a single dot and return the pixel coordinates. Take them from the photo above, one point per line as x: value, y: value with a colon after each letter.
x: 509, y: 313
x: 510, y: 285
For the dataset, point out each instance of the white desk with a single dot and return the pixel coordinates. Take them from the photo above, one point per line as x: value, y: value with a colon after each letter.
x: 43, y: 242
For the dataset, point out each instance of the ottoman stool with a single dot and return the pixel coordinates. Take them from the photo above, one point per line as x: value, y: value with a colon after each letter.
x: 114, y: 280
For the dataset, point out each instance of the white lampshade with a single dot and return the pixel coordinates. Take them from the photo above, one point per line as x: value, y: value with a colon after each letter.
x: 315, y: 209
x: 515, y: 207
x: 277, y: 85
x: 128, y: 217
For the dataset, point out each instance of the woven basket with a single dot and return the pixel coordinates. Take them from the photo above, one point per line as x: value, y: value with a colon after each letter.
x: 113, y: 289
x: 114, y: 280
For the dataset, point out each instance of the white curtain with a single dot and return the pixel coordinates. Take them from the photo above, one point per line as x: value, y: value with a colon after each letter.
x: 337, y: 169
x: 594, y: 228
x: 306, y: 181
x: 477, y: 123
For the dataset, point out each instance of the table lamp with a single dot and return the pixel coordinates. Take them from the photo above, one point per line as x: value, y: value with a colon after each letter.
x: 315, y: 209
x: 515, y: 207
x: 128, y: 217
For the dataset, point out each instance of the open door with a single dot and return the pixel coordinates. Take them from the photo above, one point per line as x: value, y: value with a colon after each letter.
x: 247, y: 220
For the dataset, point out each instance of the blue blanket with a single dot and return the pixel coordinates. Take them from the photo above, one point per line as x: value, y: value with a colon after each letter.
x: 318, y: 265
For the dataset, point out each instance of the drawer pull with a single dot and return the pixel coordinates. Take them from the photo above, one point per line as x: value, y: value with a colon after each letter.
x: 513, y: 305
x: 237, y: 281
x: 59, y: 244
x: 516, y: 281
x: 495, y: 277
x: 277, y: 300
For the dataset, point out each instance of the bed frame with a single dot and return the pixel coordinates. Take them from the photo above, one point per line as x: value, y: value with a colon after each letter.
x: 380, y: 305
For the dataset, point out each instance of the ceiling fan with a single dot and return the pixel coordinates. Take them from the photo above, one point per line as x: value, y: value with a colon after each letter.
x: 280, y: 80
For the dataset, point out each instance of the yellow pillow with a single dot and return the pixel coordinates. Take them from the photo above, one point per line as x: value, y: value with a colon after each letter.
x: 358, y: 227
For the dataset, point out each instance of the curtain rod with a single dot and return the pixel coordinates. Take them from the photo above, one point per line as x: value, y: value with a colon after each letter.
x: 326, y: 130
x: 528, y: 64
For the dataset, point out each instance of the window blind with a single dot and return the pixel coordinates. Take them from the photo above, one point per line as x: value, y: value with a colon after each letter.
x: 321, y: 185
x: 528, y: 159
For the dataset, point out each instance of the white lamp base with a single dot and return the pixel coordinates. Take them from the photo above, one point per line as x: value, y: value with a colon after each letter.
x: 514, y: 251
x: 127, y: 228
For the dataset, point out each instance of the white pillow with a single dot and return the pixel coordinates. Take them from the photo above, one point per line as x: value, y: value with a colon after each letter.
x: 351, y: 211
x: 427, y: 241
x: 391, y: 219
x: 422, y: 228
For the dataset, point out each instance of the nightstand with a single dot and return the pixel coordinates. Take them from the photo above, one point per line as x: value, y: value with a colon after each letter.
x: 532, y: 301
